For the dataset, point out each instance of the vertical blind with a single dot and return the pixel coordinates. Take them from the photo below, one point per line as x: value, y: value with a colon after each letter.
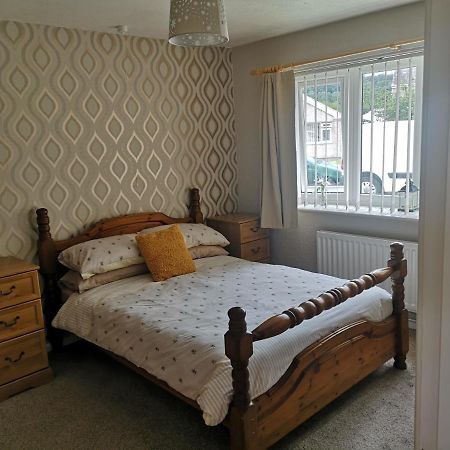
x: 358, y: 132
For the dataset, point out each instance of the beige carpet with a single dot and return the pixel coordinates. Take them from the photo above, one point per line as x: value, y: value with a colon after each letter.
x: 95, y: 403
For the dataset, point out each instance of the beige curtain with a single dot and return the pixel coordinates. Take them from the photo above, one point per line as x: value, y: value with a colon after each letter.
x: 279, y: 165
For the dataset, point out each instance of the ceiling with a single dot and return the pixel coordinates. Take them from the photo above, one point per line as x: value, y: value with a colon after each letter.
x: 248, y: 20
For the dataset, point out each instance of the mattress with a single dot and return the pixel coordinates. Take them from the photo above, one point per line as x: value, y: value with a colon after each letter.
x: 174, y: 329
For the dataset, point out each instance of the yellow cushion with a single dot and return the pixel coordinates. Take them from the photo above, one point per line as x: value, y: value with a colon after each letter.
x: 165, y: 253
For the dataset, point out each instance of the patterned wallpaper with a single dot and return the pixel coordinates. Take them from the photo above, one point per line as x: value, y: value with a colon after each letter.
x: 95, y: 125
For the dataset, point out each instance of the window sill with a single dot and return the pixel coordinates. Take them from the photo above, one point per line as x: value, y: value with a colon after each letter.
x: 363, y: 211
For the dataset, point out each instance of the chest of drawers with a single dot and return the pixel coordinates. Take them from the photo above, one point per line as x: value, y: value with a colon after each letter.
x: 247, y: 239
x: 23, y: 353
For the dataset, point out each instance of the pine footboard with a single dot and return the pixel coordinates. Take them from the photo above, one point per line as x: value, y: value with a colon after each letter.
x: 321, y: 372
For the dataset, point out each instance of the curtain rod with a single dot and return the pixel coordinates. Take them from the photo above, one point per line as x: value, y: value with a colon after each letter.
x: 295, y: 65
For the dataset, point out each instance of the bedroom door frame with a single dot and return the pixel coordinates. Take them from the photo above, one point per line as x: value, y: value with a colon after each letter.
x: 433, y: 318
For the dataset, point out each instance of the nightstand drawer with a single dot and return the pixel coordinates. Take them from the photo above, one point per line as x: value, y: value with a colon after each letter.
x: 251, y: 231
x: 19, y: 288
x: 256, y: 250
x: 20, y: 319
x: 22, y: 356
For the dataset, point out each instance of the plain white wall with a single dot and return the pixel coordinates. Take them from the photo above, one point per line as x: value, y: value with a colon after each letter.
x: 298, y: 247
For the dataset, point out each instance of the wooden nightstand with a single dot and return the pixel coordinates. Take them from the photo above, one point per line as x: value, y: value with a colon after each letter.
x: 23, y: 352
x: 247, y: 239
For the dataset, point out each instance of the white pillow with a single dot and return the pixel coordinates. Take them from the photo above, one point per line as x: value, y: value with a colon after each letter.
x: 195, y: 234
x: 102, y: 255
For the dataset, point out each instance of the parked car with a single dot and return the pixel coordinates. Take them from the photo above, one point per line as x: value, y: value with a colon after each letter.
x: 382, y: 174
x: 329, y: 171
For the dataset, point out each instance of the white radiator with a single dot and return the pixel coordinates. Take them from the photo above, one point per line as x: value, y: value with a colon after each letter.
x: 349, y: 256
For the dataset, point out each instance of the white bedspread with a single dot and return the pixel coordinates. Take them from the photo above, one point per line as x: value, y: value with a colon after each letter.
x: 174, y: 329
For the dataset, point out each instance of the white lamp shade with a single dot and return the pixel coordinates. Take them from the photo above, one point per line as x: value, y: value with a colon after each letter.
x: 197, y: 23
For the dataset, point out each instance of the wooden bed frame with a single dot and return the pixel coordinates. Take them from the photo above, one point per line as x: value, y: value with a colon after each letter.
x: 317, y: 375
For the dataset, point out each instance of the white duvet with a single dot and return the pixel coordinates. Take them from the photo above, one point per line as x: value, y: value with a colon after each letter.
x: 174, y: 329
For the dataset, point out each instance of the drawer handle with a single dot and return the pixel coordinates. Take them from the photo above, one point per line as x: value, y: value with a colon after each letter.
x: 256, y: 250
x: 5, y: 293
x: 255, y: 229
x: 9, y: 324
x: 15, y: 360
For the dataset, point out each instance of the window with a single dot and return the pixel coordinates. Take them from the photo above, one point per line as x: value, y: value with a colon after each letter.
x: 358, y: 133
x: 320, y: 132
x: 325, y: 135
x: 311, y: 132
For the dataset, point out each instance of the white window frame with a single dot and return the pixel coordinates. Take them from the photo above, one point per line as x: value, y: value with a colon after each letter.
x: 351, y: 73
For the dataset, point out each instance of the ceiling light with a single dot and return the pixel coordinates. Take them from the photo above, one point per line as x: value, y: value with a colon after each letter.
x: 197, y: 23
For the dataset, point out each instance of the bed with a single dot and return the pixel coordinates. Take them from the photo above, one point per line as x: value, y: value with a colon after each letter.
x: 180, y: 345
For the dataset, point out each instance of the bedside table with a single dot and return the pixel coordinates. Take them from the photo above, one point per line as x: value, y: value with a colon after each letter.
x: 23, y: 352
x: 247, y: 239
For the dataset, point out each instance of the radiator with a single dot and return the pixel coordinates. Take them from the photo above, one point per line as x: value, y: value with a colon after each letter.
x: 349, y: 256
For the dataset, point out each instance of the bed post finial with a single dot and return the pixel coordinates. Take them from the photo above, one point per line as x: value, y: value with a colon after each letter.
x: 239, y: 349
x: 48, y: 263
x: 194, y: 206
x: 399, y: 264
x: 43, y: 223
x: 46, y: 248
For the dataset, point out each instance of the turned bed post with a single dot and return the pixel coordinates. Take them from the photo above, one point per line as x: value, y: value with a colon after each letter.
x: 239, y: 349
x: 48, y: 270
x: 399, y: 264
x: 195, y: 210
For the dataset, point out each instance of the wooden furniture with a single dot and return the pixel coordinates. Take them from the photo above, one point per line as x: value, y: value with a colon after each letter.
x: 247, y: 239
x: 317, y: 375
x: 23, y: 353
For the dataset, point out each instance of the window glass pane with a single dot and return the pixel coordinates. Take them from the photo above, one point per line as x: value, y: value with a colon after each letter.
x: 324, y: 136
x: 380, y: 95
